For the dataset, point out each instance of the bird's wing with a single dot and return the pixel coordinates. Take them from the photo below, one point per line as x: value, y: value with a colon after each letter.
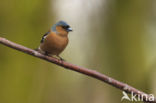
x: 43, y: 37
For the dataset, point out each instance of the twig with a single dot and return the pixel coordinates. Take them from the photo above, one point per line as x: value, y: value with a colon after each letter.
x: 91, y: 73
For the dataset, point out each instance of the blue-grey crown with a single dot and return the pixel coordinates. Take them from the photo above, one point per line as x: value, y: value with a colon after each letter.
x: 60, y: 23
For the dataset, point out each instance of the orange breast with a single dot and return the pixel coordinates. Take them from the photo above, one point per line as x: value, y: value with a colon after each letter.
x: 54, y: 44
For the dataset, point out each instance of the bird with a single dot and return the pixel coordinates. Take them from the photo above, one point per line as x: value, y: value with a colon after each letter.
x: 55, y: 40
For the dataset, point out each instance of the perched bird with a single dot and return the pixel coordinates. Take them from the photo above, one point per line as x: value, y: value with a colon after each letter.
x: 56, y: 40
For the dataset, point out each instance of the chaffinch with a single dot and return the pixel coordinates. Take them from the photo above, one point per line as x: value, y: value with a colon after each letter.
x: 56, y: 40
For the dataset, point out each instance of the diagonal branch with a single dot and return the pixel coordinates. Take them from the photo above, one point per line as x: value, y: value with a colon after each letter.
x: 85, y: 71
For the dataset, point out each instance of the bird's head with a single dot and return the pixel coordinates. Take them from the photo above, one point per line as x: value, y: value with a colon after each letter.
x: 61, y: 27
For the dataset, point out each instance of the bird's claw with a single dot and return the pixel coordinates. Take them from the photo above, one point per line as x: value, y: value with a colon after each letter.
x: 61, y: 58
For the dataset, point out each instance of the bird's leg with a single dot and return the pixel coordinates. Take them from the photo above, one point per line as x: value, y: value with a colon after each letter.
x: 46, y: 53
x: 60, y: 58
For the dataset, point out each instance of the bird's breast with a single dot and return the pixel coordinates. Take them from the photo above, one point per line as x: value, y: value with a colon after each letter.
x: 54, y: 44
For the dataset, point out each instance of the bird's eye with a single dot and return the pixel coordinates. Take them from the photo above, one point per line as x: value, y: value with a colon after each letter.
x: 65, y: 27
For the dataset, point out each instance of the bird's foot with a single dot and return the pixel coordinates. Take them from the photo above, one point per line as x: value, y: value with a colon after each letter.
x: 60, y: 58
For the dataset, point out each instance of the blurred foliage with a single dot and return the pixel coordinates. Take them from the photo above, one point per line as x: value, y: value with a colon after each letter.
x: 126, y: 29
x: 23, y: 22
x: 109, y: 36
x: 126, y: 32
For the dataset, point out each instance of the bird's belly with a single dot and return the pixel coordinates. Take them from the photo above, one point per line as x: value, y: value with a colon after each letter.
x: 54, y: 46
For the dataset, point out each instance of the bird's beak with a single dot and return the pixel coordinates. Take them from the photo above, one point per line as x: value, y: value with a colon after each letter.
x: 69, y: 29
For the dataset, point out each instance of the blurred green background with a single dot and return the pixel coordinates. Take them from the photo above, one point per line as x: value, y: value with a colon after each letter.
x: 114, y: 37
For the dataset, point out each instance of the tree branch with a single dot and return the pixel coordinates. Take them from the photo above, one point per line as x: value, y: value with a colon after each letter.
x: 91, y: 73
